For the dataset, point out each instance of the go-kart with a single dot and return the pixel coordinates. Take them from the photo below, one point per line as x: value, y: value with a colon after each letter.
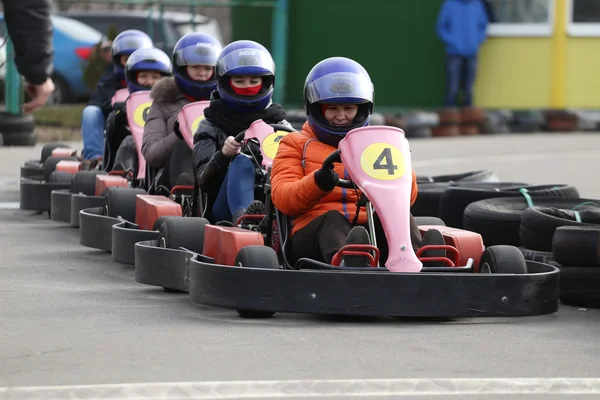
x: 236, y: 270
x: 163, y: 262
x: 129, y: 216
x: 66, y: 203
x: 53, y: 171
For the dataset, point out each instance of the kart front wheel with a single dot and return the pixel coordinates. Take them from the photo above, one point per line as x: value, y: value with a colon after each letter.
x: 256, y: 257
x: 502, y: 259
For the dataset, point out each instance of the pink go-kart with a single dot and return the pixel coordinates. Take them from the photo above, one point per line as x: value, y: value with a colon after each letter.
x: 237, y: 270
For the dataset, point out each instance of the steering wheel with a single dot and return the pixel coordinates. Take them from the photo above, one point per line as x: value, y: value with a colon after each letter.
x: 278, y: 127
x: 328, y: 165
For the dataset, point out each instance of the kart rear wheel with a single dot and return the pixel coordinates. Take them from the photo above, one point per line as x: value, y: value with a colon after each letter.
x: 85, y: 182
x: 120, y: 202
x: 50, y: 165
x: 60, y: 177
x: 502, y: 260
x: 48, y: 149
x: 188, y: 232
x: 257, y: 257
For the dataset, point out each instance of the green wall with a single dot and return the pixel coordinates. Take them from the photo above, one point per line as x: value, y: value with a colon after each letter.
x: 394, y: 40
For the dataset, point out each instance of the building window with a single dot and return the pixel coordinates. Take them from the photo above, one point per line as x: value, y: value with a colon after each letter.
x: 520, y: 17
x: 583, y: 18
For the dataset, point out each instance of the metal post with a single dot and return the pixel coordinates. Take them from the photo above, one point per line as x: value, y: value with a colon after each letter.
x: 280, y: 44
x: 12, y: 83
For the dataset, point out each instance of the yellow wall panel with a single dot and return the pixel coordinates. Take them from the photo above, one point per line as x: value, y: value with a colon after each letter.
x: 514, y: 73
x: 583, y: 73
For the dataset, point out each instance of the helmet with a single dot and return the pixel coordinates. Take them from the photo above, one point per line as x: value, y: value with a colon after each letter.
x: 126, y: 43
x: 146, y: 60
x: 245, y: 58
x: 337, y: 80
x: 195, y: 49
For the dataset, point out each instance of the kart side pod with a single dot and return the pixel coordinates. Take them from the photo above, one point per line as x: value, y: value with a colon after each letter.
x: 70, y: 167
x: 104, y: 182
x: 223, y: 243
x: 377, y: 159
x: 149, y: 207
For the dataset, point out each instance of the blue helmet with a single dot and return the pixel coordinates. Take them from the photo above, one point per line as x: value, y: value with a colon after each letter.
x: 245, y: 58
x: 337, y: 80
x: 125, y: 44
x: 195, y: 49
x: 146, y: 60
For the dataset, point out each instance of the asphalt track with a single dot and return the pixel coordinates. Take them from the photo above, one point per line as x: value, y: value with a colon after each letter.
x: 69, y: 316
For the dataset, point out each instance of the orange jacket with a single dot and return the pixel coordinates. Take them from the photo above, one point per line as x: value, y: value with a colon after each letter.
x: 293, y: 188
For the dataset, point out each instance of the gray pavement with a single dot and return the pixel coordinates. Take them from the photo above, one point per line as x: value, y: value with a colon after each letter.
x: 70, y: 316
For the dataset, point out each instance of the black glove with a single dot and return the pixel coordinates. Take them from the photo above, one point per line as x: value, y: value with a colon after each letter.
x: 176, y: 130
x: 326, y: 180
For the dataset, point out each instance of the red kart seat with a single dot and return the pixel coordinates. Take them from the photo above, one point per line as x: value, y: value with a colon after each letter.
x: 223, y: 243
x: 469, y: 244
x: 103, y: 182
x: 149, y: 207
x: 68, y: 166
x: 64, y: 152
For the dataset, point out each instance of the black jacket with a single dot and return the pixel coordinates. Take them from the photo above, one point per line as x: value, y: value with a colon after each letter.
x: 105, y: 89
x: 30, y: 28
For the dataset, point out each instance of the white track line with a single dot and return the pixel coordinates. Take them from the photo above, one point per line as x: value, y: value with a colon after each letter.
x: 310, y: 388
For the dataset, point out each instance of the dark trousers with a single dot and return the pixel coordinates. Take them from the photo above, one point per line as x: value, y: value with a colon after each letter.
x: 321, y: 239
x: 180, y: 162
x: 460, y: 74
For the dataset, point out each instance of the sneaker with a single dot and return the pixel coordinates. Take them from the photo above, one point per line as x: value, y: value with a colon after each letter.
x: 254, y: 208
x: 433, y: 237
x: 358, y: 235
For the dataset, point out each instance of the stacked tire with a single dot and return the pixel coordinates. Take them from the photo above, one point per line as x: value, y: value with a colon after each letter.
x: 560, y: 231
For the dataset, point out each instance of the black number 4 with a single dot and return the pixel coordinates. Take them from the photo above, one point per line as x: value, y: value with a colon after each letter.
x: 385, y: 161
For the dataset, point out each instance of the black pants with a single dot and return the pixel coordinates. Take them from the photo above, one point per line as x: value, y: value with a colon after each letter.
x: 116, y: 131
x: 321, y: 239
x: 180, y: 162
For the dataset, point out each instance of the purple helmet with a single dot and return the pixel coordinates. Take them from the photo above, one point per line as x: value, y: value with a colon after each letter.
x: 245, y: 58
x: 195, y: 49
x: 125, y: 44
x: 337, y: 80
x: 146, y: 60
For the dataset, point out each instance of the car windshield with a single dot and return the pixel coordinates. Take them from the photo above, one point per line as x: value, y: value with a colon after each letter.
x: 75, y: 29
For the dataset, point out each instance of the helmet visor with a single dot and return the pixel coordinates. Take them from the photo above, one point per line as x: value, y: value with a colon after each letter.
x: 199, y: 54
x: 340, y: 87
x: 247, y: 62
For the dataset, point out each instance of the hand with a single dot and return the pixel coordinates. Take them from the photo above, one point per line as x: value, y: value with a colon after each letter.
x: 326, y: 180
x: 176, y: 130
x: 231, y: 147
x: 39, y: 95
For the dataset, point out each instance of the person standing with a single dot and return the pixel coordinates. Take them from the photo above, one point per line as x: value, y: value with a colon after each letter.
x: 30, y: 28
x: 462, y: 26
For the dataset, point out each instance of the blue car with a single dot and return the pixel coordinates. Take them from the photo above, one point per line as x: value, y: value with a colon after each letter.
x: 74, y: 43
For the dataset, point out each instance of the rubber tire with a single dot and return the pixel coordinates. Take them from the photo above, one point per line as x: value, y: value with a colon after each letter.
x: 580, y: 286
x: 159, y: 221
x: 455, y: 200
x: 544, y: 257
x: 85, y: 182
x: 538, y: 224
x: 429, y: 221
x: 498, y: 220
x: 504, y: 260
x: 471, y: 176
x: 120, y: 202
x: 48, y: 149
x: 60, y: 177
x: 28, y: 139
x: 50, y: 165
x: 187, y: 232
x: 577, y: 246
x: 256, y: 257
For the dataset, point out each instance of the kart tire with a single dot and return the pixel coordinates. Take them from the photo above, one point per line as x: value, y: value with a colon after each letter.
x: 538, y: 224
x: 85, y: 182
x: 187, y: 232
x: 120, y: 202
x: 256, y: 257
x: 159, y: 221
x: 50, y: 164
x: 429, y: 221
x: 48, y: 149
x: 498, y: 220
x: 60, y: 177
x: 455, y: 200
x: 580, y: 286
x: 502, y: 260
x: 577, y: 246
